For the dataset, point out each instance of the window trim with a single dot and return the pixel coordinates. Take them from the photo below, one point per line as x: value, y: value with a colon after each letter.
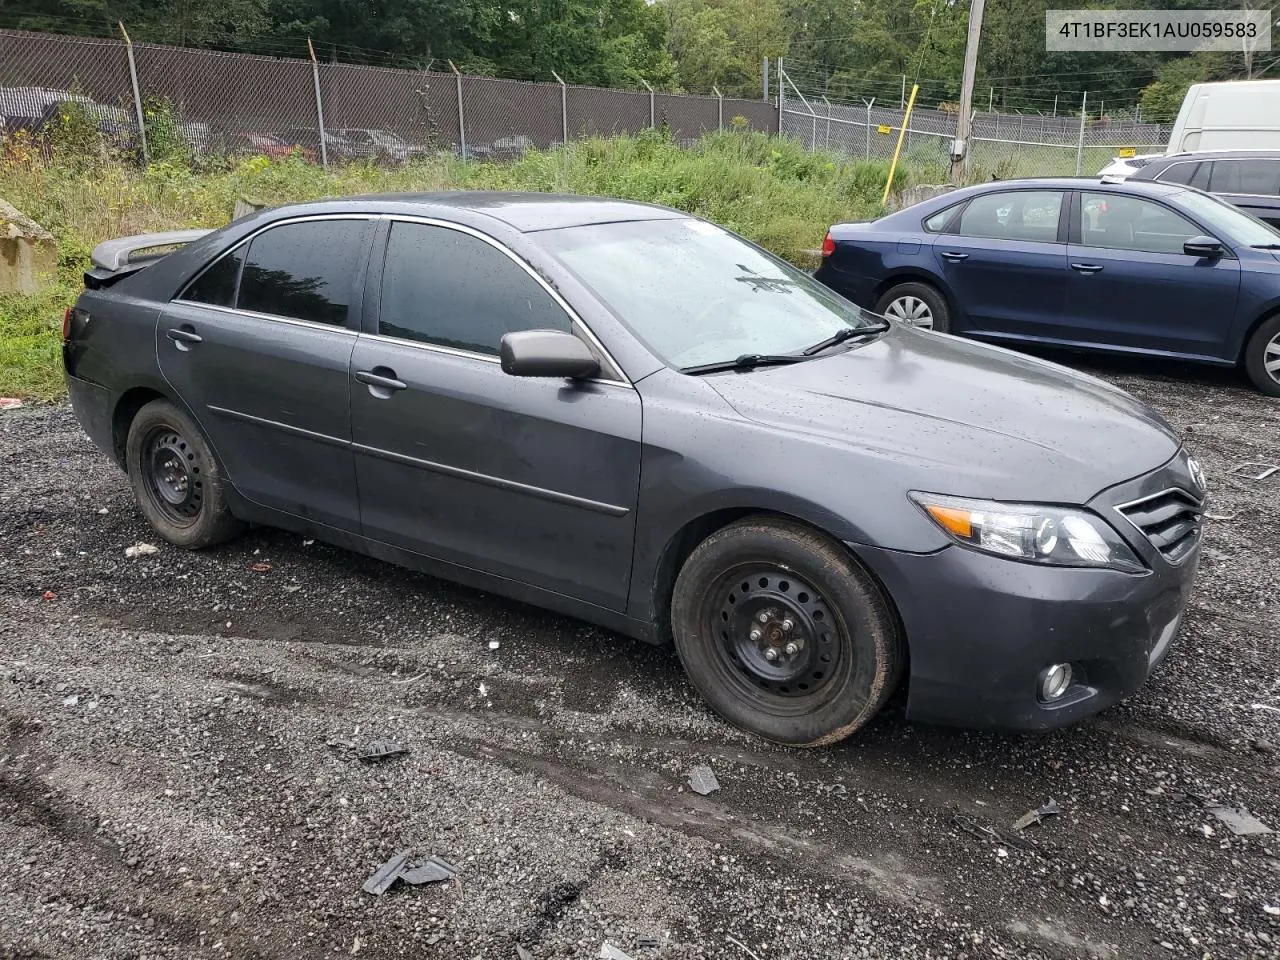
x: 952, y: 226
x: 575, y: 320
x: 1076, y: 236
x: 357, y: 281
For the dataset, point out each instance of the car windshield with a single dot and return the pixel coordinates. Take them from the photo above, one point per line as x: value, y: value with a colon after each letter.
x: 696, y: 294
x: 1222, y: 217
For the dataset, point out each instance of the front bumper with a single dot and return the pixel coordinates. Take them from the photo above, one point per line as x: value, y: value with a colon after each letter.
x: 980, y: 628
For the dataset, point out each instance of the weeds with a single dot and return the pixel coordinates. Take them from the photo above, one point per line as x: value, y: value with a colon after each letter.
x: 770, y: 190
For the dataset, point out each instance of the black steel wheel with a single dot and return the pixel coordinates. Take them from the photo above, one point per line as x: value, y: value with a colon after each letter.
x: 783, y: 633
x: 175, y: 478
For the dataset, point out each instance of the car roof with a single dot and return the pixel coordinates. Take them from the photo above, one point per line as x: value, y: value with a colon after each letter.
x: 526, y: 212
x: 1143, y: 188
x: 1236, y: 154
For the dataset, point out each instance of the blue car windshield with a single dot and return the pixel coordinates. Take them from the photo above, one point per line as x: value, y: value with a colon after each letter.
x: 696, y: 294
x: 1228, y: 221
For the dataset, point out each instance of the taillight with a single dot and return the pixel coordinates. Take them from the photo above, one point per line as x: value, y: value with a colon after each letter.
x: 66, y: 324
x: 828, y: 245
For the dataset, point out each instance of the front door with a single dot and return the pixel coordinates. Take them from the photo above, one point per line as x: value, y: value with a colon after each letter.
x: 535, y: 480
x: 1133, y: 286
x: 259, y: 348
x: 1004, y: 265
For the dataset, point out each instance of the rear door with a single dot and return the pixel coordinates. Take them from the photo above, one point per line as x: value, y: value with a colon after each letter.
x: 259, y: 346
x: 1132, y: 285
x: 531, y: 479
x: 1004, y: 262
x: 1253, y: 185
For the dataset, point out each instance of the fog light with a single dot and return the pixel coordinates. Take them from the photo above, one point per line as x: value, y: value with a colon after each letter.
x: 1054, y: 681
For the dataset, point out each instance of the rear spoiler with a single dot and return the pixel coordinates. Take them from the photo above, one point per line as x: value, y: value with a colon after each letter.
x: 114, y: 259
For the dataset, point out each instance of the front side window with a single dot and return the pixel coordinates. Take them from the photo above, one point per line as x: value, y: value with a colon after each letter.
x: 1015, y: 215
x: 451, y: 289
x: 217, y: 285
x: 1256, y: 177
x: 303, y: 271
x: 696, y: 294
x: 1117, y: 222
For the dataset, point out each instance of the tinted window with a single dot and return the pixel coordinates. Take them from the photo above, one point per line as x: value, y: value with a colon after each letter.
x: 449, y: 288
x: 938, y: 221
x: 1022, y: 215
x: 1182, y: 173
x: 1129, y: 223
x: 217, y: 285
x: 1261, y: 177
x: 303, y: 270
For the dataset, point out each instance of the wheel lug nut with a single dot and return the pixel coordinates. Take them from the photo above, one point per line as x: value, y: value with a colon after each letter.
x: 788, y: 624
x: 755, y: 636
x: 771, y: 654
x: 763, y: 616
x: 791, y: 649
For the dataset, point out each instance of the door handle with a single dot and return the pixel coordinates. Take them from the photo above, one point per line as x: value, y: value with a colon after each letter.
x: 954, y: 256
x: 1088, y: 269
x: 381, y: 381
x: 183, y: 337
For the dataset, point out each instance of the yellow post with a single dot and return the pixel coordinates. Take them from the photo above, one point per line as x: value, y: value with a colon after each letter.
x: 906, y: 119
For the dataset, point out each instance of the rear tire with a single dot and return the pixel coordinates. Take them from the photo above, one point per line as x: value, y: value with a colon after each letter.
x: 917, y: 304
x: 176, y: 479
x: 1262, y: 357
x: 810, y: 684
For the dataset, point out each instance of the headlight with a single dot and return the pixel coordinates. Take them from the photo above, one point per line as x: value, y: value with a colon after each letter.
x: 1049, y: 535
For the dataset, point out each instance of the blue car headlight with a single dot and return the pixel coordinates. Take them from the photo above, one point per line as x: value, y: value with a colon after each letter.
x: 1056, y: 536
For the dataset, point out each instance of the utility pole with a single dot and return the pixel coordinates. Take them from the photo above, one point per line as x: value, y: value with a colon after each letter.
x: 960, y: 148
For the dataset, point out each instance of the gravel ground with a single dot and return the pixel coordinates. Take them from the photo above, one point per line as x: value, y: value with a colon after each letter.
x: 177, y: 777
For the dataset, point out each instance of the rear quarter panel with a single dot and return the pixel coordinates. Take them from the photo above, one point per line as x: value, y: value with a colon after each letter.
x: 866, y: 258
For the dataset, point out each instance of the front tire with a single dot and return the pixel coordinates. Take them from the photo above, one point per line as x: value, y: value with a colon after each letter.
x: 784, y: 634
x: 176, y: 479
x: 917, y: 304
x: 1262, y: 357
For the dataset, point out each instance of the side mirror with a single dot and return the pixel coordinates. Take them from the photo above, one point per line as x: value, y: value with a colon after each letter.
x: 1202, y: 247
x: 547, y: 353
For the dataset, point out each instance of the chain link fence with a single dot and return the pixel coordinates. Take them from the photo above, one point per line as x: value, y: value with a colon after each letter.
x: 1002, y: 145
x: 205, y: 102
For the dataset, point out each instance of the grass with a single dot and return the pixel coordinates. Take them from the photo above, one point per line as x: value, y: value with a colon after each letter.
x: 772, y: 191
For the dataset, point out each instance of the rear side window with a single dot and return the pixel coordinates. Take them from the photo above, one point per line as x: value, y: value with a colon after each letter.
x: 1015, y: 215
x: 303, y: 271
x: 217, y: 285
x: 1257, y: 177
x: 938, y: 222
x: 1183, y: 173
x: 451, y: 289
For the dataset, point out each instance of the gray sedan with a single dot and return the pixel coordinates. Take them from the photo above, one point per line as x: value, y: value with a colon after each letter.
x: 631, y: 415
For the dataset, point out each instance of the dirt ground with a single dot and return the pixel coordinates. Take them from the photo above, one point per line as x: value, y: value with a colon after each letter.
x: 177, y: 776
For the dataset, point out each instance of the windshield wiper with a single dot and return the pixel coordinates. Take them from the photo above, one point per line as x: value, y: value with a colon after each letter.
x: 1264, y: 246
x: 748, y: 361
x: 847, y: 333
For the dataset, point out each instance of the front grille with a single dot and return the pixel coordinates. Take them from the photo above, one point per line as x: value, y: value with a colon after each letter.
x: 1171, y: 520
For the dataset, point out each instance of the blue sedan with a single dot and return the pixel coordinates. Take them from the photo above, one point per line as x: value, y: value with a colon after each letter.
x: 1144, y: 268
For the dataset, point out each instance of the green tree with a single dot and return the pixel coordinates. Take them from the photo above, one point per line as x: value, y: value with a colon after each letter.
x: 722, y: 43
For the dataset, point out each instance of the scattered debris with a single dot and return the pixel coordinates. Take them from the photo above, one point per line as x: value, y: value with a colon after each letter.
x: 141, y: 549
x: 702, y: 780
x: 103, y: 511
x: 1254, y: 470
x: 1001, y: 852
x: 742, y: 946
x: 1219, y: 516
x: 609, y: 952
x: 522, y: 953
x: 1255, y: 706
x: 307, y: 543
x: 9, y: 403
x: 291, y: 587
x: 380, y: 749
x: 1240, y: 821
x: 1264, y: 746
x: 49, y: 595
x: 260, y: 567
x: 647, y: 941
x: 71, y: 701
x: 484, y: 691
x: 494, y: 644
x: 398, y: 867
x: 1039, y: 813
x: 1271, y: 911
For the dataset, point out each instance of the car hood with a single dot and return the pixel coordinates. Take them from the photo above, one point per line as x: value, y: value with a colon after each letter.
x: 961, y: 418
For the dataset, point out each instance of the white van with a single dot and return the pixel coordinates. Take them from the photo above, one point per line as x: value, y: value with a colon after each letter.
x: 1231, y: 115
